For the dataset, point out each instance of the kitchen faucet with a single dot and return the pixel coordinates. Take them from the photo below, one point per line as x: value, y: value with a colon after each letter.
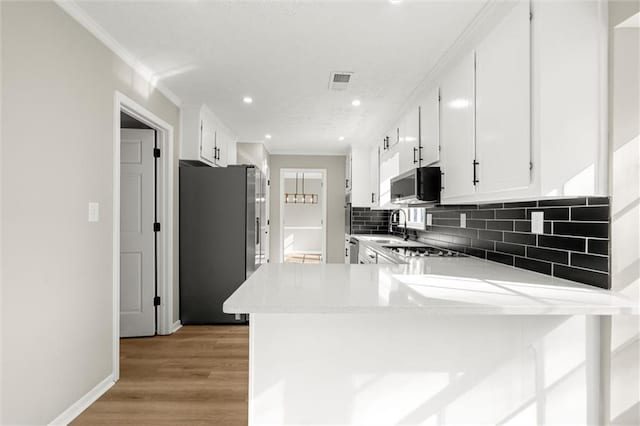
x: 405, y: 234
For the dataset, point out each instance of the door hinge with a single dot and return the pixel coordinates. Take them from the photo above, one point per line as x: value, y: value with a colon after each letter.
x: 156, y: 227
x: 156, y: 152
x: 156, y: 301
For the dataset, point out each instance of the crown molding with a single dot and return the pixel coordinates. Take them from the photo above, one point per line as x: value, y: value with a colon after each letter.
x: 77, y: 13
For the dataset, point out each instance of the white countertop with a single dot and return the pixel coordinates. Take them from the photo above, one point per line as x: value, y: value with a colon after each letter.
x: 433, y: 285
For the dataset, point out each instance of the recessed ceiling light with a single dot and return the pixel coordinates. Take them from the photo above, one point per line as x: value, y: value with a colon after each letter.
x: 341, y: 138
x: 268, y: 136
x: 395, y: 1
x: 355, y: 102
x: 247, y: 100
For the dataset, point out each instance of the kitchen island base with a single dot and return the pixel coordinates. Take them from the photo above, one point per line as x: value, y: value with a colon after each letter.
x: 421, y: 369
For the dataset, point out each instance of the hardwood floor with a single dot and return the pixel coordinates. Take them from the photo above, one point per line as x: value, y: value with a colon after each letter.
x: 197, y: 376
x: 302, y: 258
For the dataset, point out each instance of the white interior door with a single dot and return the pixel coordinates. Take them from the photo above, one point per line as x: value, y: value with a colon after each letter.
x: 137, y: 241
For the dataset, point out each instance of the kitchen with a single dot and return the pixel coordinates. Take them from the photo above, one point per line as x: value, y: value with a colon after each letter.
x: 363, y: 213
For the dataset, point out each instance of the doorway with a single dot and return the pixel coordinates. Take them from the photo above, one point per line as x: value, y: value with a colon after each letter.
x: 303, y: 216
x: 142, y: 224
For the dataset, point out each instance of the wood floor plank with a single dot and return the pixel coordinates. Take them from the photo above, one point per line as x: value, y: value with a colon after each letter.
x: 197, y: 376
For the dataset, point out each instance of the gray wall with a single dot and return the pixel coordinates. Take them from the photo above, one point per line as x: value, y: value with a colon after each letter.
x: 58, y: 84
x: 335, y: 166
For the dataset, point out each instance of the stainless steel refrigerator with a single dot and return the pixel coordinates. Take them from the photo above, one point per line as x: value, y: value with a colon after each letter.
x: 220, y: 237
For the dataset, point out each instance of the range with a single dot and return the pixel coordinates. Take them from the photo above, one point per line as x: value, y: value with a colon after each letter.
x: 423, y: 251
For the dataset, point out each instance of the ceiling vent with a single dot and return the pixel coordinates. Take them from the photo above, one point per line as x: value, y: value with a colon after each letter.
x: 340, y: 80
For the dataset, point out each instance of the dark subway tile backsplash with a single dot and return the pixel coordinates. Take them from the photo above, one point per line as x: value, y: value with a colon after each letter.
x: 367, y: 221
x: 574, y: 245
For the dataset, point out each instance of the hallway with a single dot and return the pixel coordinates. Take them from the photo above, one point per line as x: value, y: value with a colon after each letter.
x: 198, y: 375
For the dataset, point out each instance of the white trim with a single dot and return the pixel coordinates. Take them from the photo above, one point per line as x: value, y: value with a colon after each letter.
x: 77, y: 13
x: 165, y: 216
x: 323, y: 172
x: 336, y: 153
x: 84, y: 402
x: 176, y: 326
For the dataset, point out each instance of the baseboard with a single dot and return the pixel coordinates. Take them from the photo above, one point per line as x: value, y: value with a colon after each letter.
x: 176, y: 326
x: 83, y: 403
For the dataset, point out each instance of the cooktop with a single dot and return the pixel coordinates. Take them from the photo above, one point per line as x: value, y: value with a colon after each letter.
x: 423, y: 251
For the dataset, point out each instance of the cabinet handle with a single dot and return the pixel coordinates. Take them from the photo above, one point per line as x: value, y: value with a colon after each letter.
x: 218, y: 155
x: 441, y: 180
x: 346, y: 252
x: 346, y: 183
x: 257, y: 230
x: 475, y: 172
x: 415, y: 151
x: 420, y: 153
x: 373, y: 197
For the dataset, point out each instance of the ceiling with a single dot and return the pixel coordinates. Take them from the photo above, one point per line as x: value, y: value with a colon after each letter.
x: 281, y: 54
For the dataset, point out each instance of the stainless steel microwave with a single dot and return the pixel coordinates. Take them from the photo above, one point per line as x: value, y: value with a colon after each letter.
x: 421, y: 185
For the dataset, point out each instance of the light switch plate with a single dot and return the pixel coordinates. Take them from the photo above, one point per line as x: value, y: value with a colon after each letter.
x: 429, y: 219
x: 463, y: 220
x: 94, y: 212
x: 537, y: 222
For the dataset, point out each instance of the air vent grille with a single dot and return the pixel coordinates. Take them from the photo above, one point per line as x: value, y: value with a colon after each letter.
x: 340, y: 80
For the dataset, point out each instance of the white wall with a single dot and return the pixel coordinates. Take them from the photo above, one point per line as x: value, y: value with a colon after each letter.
x: 624, y: 137
x: 334, y: 164
x: 58, y: 84
x: 303, y: 215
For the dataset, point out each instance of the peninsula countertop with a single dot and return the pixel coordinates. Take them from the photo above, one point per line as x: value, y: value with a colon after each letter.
x: 437, y: 286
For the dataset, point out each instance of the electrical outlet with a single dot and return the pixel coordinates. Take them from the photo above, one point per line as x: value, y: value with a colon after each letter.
x: 429, y: 219
x: 537, y: 222
x: 463, y: 220
x: 94, y: 212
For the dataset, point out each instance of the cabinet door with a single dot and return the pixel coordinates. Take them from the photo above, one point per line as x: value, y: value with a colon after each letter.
x: 347, y: 172
x: 430, y: 128
x: 409, y: 140
x: 207, y: 141
x: 457, y: 129
x: 374, y: 172
x: 503, y: 141
x: 222, y: 143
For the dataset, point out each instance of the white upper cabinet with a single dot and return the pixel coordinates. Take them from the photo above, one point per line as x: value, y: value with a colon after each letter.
x: 208, y: 150
x: 204, y: 137
x: 359, y: 177
x: 457, y: 129
x: 503, y: 135
x: 374, y: 175
x: 430, y: 128
x: 409, y: 140
x: 223, y: 143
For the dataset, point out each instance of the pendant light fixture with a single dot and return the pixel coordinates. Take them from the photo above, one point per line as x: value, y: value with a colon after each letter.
x: 300, y: 197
